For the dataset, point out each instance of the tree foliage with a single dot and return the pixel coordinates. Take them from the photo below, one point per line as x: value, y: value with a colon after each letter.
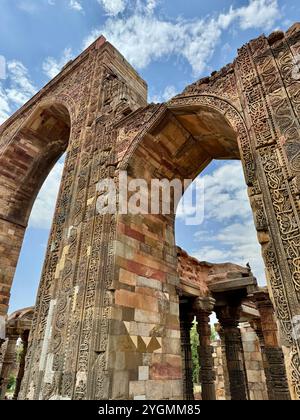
x: 194, y: 348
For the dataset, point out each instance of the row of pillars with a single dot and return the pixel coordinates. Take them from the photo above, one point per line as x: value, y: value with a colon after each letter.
x: 230, y: 335
x: 9, y: 360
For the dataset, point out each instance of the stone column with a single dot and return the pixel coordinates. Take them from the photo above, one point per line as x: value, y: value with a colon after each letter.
x: 228, y: 316
x: 8, y: 361
x: 21, y: 370
x: 273, y: 355
x: 203, y: 308
x: 186, y: 321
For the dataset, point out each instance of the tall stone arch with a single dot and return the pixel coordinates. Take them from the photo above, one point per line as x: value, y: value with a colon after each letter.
x: 106, y: 323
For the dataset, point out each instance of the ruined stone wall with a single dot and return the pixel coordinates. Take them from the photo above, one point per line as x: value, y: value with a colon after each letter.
x: 219, y: 363
x: 257, y: 389
x: 253, y: 364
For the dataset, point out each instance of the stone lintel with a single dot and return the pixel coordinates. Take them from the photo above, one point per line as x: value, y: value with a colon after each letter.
x: 233, y: 284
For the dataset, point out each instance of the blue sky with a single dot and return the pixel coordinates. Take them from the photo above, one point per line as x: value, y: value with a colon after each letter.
x: 171, y: 43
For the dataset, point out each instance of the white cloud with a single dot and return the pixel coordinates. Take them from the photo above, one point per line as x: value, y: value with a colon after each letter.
x: 224, y: 189
x: 228, y: 233
x: 15, y: 90
x: 21, y: 87
x: 113, y: 7
x: 4, y: 105
x: 142, y: 36
x: 75, y: 5
x: 52, y: 66
x: 258, y: 14
x: 44, y: 206
x: 237, y: 243
x: 168, y: 93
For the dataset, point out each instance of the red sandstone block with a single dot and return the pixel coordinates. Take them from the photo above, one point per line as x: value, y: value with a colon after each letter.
x: 127, y: 277
x: 141, y: 270
x: 132, y: 233
x: 136, y: 300
x: 149, y: 262
x: 149, y: 272
x: 161, y: 371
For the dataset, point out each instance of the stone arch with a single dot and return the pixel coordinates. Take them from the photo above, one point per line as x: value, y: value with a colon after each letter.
x: 259, y: 167
x: 97, y: 266
x: 221, y: 105
x: 26, y: 158
x: 175, y: 140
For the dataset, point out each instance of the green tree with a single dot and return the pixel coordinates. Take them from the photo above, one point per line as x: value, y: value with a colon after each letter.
x: 11, y: 383
x: 194, y: 348
x: 214, y: 335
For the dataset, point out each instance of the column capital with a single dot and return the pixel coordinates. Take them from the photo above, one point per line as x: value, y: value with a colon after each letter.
x: 204, y: 304
x: 229, y: 315
x: 262, y: 298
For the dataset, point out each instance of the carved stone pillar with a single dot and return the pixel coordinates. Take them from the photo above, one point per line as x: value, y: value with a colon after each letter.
x: 8, y: 361
x: 203, y: 308
x: 186, y: 320
x: 1, y: 342
x: 21, y: 370
x: 273, y: 354
x: 229, y: 319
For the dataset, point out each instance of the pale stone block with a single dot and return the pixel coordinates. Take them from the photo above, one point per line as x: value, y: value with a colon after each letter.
x: 49, y: 374
x: 154, y: 390
x: 171, y: 346
x: 137, y: 388
x: 61, y: 264
x: 176, y: 388
x: 140, y: 397
x: 143, y: 373
x: 173, y: 334
x: 123, y: 250
x: 120, y: 385
x: 146, y: 316
x: 174, y: 308
x: 120, y: 361
x: 248, y: 347
x: 254, y: 376
x: 249, y: 336
x: 141, y: 328
x: 2, y: 327
x: 151, y: 283
x: 48, y: 331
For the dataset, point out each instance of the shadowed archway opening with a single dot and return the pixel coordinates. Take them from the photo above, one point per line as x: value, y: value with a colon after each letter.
x: 25, y: 164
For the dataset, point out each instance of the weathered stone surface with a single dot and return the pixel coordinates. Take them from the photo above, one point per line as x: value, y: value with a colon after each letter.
x: 97, y: 110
